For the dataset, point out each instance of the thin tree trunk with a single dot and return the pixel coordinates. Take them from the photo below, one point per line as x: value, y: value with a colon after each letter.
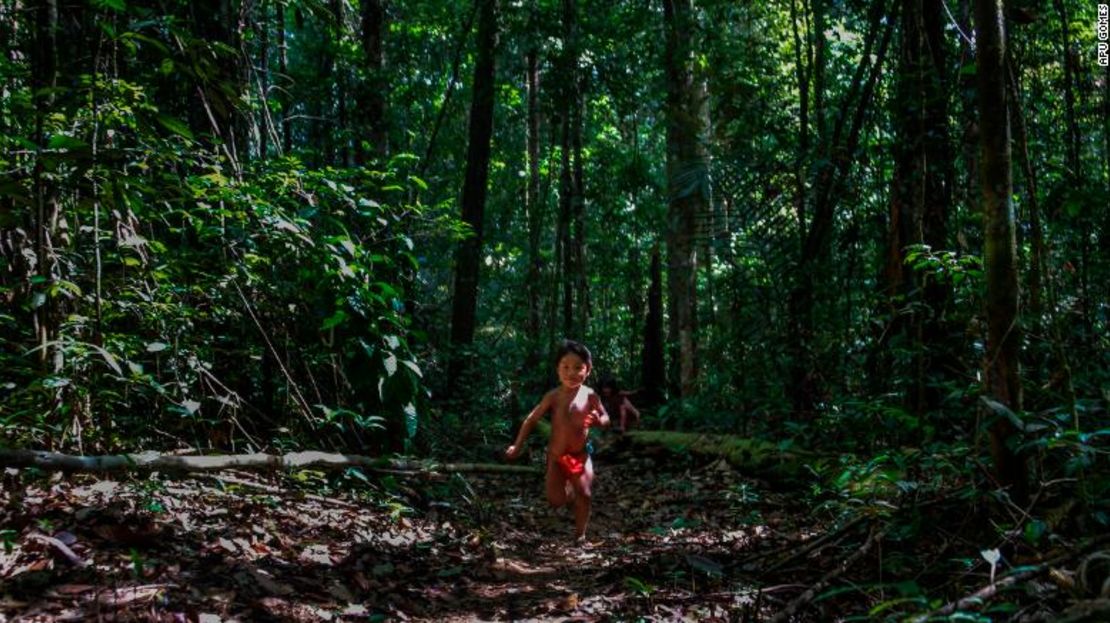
x: 468, y: 255
x: 1003, y: 372
x: 687, y: 181
x: 243, y: 126
x: 1021, y: 142
x: 939, y: 174
x: 1072, y: 147
x: 10, y: 236
x: 581, y: 289
x: 283, y: 71
x: 374, y: 90
x: 44, y: 75
x: 533, y: 201
x: 817, y: 66
x: 1068, y: 57
x: 554, y: 278
x: 571, y: 227
x: 803, y: 378
x: 802, y: 73
x: 921, y: 190
x: 907, y: 197
x: 970, y: 136
x: 708, y: 225
x: 1037, y: 264
x: 320, y: 134
x: 563, y: 242
x: 464, y: 34
x: 263, y: 28
x: 635, y: 302
x: 219, y: 95
x: 343, y: 129
x: 636, y: 288
x: 653, y: 368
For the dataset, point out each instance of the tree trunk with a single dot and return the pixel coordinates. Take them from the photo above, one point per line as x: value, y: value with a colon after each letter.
x: 320, y: 134
x: 533, y: 202
x: 578, y: 203
x: 817, y: 64
x: 480, y: 133
x: 802, y: 71
x: 343, y: 126
x: 921, y: 190
x: 969, y: 140
x: 1021, y: 142
x: 376, y: 86
x: 213, y: 22
x: 464, y: 34
x: 283, y: 71
x: 44, y: 74
x: 636, y: 291
x: 635, y: 302
x: 263, y: 29
x: 687, y: 182
x: 563, y: 242
x: 1068, y: 58
x: 1003, y: 380
x: 653, y: 366
x: 242, y: 122
x: 571, y: 213
x: 1074, y: 173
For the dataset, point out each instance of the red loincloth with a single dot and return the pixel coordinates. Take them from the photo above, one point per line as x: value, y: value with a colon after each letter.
x: 573, y: 463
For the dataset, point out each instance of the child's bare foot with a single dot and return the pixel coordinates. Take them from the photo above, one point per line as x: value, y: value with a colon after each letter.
x: 583, y: 544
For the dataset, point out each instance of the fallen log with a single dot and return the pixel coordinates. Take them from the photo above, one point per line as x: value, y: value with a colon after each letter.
x: 755, y: 456
x: 154, y: 461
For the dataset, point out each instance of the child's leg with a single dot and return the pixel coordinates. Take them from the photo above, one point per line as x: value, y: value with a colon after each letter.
x: 583, y: 499
x: 556, y: 484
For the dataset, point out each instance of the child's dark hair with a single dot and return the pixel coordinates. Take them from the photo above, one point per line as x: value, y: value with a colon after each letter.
x: 578, y: 348
x: 610, y: 383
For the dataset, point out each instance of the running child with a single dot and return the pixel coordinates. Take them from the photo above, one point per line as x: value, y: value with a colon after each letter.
x: 574, y: 408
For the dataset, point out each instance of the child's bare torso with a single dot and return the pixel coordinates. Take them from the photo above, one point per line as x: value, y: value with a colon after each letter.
x: 570, y: 419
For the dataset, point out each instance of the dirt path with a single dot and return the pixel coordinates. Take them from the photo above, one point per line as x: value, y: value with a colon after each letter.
x: 667, y: 541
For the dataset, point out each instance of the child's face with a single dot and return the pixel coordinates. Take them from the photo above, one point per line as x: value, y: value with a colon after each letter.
x: 573, y: 371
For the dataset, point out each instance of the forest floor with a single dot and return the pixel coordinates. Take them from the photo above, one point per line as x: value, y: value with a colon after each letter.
x: 669, y: 540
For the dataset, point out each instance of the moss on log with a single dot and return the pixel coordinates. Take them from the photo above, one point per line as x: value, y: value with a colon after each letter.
x: 755, y: 456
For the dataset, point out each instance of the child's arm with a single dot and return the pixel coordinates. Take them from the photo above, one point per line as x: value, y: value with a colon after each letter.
x: 529, y: 423
x: 628, y: 407
x: 601, y: 416
x: 628, y: 412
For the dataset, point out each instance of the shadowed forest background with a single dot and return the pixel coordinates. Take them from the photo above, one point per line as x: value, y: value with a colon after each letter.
x: 850, y: 259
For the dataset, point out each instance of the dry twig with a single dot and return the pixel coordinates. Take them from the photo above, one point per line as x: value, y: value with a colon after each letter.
x: 809, y: 595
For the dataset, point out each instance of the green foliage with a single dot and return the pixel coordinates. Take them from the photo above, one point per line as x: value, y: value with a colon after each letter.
x: 963, y: 272
x: 8, y: 537
x: 186, y: 294
x: 639, y: 587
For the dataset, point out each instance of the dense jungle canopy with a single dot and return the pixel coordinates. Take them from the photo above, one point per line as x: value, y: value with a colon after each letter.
x: 850, y: 260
